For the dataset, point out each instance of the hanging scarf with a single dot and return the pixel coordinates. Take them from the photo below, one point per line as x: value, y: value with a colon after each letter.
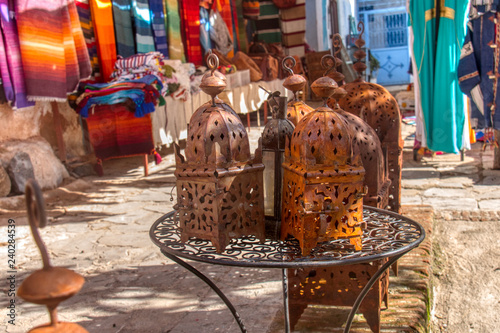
x: 190, y: 12
x: 241, y: 29
x: 124, y: 33
x: 143, y: 31
x: 83, y: 9
x: 175, y: 44
x: 102, y: 14
x: 158, y: 24
x: 10, y: 60
x: 224, y: 7
x: 53, y: 50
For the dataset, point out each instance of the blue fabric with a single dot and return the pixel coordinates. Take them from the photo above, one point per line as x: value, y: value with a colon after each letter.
x: 124, y: 33
x: 477, y: 63
x: 158, y: 25
x: 205, y: 41
x: 143, y: 30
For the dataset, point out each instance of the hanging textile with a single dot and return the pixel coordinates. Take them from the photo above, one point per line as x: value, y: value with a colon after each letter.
x: 10, y: 59
x: 105, y: 36
x: 268, y: 23
x: 242, y: 31
x: 293, y: 26
x: 175, y: 45
x: 190, y: 14
x: 206, y: 42
x: 158, y: 25
x: 236, y: 28
x: 436, y: 51
x: 219, y: 34
x: 83, y: 9
x: 224, y: 8
x: 478, y: 69
x: 124, y: 33
x: 143, y: 31
x: 53, y: 50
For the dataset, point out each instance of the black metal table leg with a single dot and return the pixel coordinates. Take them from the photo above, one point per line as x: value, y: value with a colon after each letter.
x: 212, y: 285
x: 366, y: 289
x: 285, y: 300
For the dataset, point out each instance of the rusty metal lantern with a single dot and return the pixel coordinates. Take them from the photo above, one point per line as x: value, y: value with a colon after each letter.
x: 296, y: 109
x: 50, y: 285
x: 219, y: 186
x: 274, y: 136
x: 323, y: 178
x: 377, y: 107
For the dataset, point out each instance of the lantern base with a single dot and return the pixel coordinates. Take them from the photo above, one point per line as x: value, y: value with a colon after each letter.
x: 273, y: 228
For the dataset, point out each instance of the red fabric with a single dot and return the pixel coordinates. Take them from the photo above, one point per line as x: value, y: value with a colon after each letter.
x: 190, y: 16
x: 114, y: 131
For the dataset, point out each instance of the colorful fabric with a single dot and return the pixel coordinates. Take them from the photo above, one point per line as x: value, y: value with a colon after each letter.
x: 242, y: 32
x: 190, y: 14
x: 158, y: 25
x: 83, y: 9
x: 268, y: 23
x: 251, y: 9
x: 234, y: 14
x: 205, y: 41
x: 114, y: 131
x: 53, y: 49
x: 224, y: 8
x: 478, y: 68
x: 143, y: 30
x: 124, y: 33
x: 293, y: 26
x: 11, y: 66
x: 102, y: 14
x: 175, y: 45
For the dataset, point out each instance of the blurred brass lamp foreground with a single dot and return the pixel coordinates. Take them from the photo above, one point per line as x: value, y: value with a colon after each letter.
x: 274, y: 136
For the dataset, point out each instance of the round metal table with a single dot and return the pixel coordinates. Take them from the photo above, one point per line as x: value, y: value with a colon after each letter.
x: 386, y: 235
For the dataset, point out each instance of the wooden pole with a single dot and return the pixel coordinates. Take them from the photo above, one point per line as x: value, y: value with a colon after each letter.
x: 56, y: 117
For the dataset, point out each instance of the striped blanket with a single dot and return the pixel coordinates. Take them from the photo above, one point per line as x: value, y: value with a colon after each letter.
x: 158, y: 25
x: 175, y: 45
x: 190, y: 13
x: 102, y: 14
x: 53, y: 49
x: 11, y: 66
x: 293, y: 25
x: 143, y: 31
x: 124, y: 33
x: 114, y: 131
x: 268, y: 23
x: 83, y: 9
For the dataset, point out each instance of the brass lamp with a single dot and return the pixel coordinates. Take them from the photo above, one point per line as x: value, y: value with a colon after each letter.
x: 277, y: 130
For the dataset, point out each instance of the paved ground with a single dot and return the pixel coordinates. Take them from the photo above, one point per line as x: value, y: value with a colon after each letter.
x: 99, y: 228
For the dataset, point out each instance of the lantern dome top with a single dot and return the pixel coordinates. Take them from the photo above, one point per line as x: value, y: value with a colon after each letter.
x: 322, y: 137
x: 216, y: 135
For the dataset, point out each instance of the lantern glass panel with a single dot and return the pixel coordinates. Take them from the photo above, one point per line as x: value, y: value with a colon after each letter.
x: 268, y: 159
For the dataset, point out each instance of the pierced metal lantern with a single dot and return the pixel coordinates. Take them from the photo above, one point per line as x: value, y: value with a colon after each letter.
x: 323, y: 178
x: 296, y: 109
x: 274, y: 136
x: 50, y: 285
x: 219, y: 186
x: 376, y: 106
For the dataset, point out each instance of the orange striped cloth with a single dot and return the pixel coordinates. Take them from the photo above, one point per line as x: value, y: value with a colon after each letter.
x: 102, y: 18
x: 224, y: 7
x: 53, y: 49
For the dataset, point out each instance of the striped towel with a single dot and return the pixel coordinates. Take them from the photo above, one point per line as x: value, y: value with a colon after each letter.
x: 241, y: 29
x: 124, y: 33
x: 83, y: 9
x: 158, y: 24
x: 190, y: 13
x: 293, y: 25
x: 268, y: 23
x: 175, y: 45
x: 11, y: 64
x: 143, y: 31
x: 102, y: 14
x: 51, y: 68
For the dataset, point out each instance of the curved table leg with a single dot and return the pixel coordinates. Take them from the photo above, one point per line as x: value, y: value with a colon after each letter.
x: 211, y: 285
x: 366, y: 289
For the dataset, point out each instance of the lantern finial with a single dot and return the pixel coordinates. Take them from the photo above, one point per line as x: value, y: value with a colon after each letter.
x: 325, y: 86
x: 213, y: 83
x: 359, y: 66
x: 294, y: 82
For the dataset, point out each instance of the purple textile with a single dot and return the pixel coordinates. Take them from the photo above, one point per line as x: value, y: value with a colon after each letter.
x: 11, y: 64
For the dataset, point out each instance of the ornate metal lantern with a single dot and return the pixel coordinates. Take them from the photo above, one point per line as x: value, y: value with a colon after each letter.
x: 219, y: 187
x: 274, y: 136
x: 297, y: 109
x: 376, y: 106
x: 50, y: 285
x: 323, y: 178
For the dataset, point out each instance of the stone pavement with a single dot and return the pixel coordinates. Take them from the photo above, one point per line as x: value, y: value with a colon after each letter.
x: 99, y: 227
